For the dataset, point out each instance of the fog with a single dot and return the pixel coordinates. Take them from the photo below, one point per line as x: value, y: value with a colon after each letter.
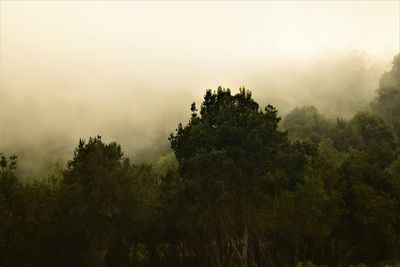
x: 129, y: 70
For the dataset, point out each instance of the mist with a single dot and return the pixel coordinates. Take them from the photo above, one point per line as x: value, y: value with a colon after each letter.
x: 130, y: 70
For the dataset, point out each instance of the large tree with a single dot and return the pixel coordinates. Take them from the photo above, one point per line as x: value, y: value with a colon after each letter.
x: 231, y: 156
x: 105, y: 201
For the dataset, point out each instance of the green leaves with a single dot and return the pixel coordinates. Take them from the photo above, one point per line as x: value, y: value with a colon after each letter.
x: 227, y: 157
x: 106, y: 197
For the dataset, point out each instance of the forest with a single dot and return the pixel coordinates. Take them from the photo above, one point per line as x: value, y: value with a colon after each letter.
x: 243, y: 187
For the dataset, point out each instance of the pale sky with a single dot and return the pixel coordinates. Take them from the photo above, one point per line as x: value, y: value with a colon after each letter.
x: 97, y: 42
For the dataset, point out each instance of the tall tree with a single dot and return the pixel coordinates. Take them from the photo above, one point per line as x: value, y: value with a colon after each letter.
x: 105, y: 200
x: 227, y: 156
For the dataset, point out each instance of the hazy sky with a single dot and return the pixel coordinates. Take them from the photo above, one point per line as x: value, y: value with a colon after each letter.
x: 90, y: 44
x: 129, y: 70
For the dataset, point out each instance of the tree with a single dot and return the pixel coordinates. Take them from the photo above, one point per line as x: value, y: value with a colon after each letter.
x: 370, y: 223
x: 369, y: 133
x: 387, y: 102
x: 10, y: 189
x: 105, y: 200
x: 368, y: 226
x: 306, y: 123
x: 228, y: 155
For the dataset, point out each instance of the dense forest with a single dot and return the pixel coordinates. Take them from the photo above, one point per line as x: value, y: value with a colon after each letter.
x: 244, y: 188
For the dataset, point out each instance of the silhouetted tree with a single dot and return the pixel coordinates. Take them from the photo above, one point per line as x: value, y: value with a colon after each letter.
x: 105, y: 200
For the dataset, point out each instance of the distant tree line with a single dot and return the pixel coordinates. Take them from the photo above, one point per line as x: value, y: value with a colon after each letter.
x: 246, y: 189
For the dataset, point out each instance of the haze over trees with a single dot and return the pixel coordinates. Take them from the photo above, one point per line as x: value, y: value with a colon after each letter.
x: 45, y: 124
x: 244, y: 188
x: 388, y: 99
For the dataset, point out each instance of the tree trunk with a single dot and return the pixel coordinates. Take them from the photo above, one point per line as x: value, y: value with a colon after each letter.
x: 99, y: 251
x: 97, y: 258
x: 245, y: 247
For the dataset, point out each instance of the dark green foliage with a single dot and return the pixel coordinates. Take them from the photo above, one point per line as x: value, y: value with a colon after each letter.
x: 369, y: 133
x: 10, y: 209
x: 232, y: 158
x: 107, y: 199
x: 25, y: 218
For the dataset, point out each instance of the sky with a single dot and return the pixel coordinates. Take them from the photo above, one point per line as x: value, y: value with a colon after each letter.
x: 129, y: 70
x: 91, y: 44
